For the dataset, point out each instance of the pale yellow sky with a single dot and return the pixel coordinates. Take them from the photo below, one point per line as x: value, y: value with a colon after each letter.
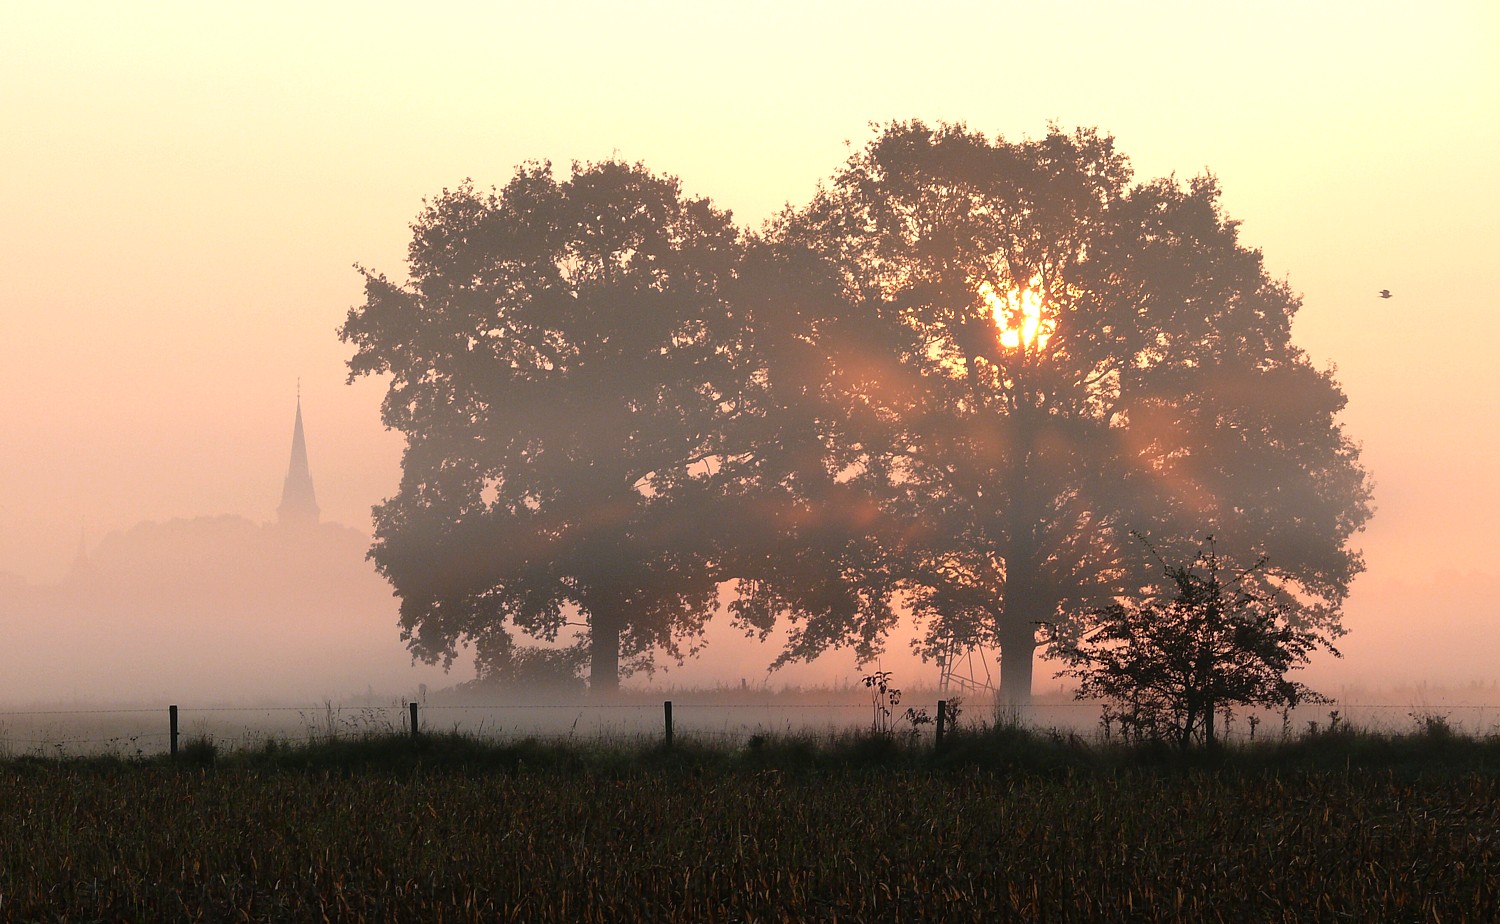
x: 184, y: 187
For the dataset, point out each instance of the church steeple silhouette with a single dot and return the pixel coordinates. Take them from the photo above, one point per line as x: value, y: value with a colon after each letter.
x: 298, y: 507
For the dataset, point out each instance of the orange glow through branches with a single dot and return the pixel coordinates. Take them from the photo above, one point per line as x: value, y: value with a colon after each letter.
x: 1018, y: 315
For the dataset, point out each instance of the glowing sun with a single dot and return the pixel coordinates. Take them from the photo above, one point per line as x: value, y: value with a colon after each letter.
x: 1018, y: 314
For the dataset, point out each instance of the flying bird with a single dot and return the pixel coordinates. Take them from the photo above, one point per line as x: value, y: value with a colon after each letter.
x: 1385, y: 293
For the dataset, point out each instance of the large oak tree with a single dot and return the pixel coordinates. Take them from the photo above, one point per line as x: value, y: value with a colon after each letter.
x: 957, y: 380
x: 1067, y: 356
x: 560, y: 362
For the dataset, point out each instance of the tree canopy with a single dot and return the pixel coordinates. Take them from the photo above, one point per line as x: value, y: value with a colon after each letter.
x: 559, y: 364
x: 953, y: 384
x: 1072, y: 356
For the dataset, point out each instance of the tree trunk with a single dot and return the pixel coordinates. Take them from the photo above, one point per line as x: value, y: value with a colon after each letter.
x: 1018, y: 621
x: 1189, y: 722
x: 1017, y: 627
x: 1017, y: 659
x: 604, y: 653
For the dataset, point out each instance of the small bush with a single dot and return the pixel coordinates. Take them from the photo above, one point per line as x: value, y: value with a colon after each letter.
x: 200, y: 751
x: 1177, y: 660
x: 1434, y: 726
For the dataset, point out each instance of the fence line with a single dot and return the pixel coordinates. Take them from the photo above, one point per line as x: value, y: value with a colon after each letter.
x: 329, y: 721
x: 81, y: 711
x: 500, y: 707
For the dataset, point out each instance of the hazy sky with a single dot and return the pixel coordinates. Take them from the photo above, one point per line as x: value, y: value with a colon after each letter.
x: 184, y: 188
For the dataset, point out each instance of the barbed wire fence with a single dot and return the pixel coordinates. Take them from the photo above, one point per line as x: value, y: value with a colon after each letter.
x: 142, y: 731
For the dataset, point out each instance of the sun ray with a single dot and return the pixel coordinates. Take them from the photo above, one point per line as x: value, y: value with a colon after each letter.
x: 1019, y: 316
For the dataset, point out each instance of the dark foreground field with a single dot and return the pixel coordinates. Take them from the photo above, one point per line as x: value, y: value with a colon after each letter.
x: 1004, y: 827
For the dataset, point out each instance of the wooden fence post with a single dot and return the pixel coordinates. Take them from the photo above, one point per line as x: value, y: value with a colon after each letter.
x: 942, y: 723
x: 414, y: 721
x: 172, y: 725
x: 667, y: 708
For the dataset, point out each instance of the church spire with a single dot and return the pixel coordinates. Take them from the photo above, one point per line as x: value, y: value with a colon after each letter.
x: 298, y: 505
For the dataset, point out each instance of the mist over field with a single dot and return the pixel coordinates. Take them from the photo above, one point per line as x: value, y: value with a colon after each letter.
x: 186, y: 188
x: 786, y: 460
x: 210, y: 610
x: 220, y: 610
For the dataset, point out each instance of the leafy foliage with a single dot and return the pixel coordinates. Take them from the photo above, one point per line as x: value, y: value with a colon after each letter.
x: 1059, y: 355
x: 560, y: 362
x: 885, y: 698
x: 528, y: 671
x: 1174, y: 664
x: 955, y: 382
